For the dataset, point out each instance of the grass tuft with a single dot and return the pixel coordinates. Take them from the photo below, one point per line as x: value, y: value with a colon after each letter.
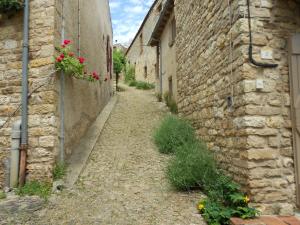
x: 35, y: 188
x: 59, y: 171
x: 2, y: 195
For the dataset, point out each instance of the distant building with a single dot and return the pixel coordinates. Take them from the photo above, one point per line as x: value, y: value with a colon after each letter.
x: 120, y: 47
x: 163, y: 37
x: 139, y: 54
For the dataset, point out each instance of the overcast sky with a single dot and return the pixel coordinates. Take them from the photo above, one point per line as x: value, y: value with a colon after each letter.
x: 127, y: 16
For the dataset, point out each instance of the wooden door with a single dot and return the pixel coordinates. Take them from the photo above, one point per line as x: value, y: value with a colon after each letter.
x: 295, y: 104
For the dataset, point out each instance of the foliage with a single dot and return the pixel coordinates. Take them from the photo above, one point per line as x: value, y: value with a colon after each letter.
x: 35, y: 188
x: 173, y: 133
x: 67, y: 62
x: 171, y: 103
x: 10, y: 6
x: 144, y: 85
x: 119, y: 61
x: 132, y: 83
x: 192, y: 166
x: 158, y: 97
x: 129, y: 74
x: 2, y: 195
x: 59, y: 171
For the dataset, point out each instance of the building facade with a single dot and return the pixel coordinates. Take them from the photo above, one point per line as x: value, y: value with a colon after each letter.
x: 141, y: 56
x: 50, y: 135
x: 238, y: 82
x: 163, y: 38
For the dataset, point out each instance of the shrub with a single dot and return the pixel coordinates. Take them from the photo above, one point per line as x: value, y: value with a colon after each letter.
x: 129, y: 74
x: 192, y: 167
x: 173, y: 133
x: 144, y: 85
x: 132, y: 83
x: 59, y: 171
x: 35, y: 188
x: 10, y: 6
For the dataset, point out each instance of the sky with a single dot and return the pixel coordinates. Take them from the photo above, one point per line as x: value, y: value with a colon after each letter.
x: 127, y: 16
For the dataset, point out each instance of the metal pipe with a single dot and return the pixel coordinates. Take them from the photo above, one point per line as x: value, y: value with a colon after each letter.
x: 24, y: 128
x: 15, y: 154
x: 160, y: 68
x: 251, y: 59
x: 79, y: 29
x: 62, y: 95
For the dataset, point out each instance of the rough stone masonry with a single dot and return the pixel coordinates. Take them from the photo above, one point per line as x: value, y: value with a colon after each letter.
x: 250, y: 130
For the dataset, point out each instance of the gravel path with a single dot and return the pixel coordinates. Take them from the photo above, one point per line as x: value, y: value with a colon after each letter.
x: 123, y: 182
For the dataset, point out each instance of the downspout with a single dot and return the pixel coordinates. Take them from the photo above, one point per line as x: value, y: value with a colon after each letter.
x: 160, y: 68
x: 15, y: 154
x: 251, y: 59
x: 62, y: 94
x: 24, y: 128
x: 79, y: 29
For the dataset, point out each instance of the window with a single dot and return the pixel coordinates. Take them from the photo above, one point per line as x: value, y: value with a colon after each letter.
x: 172, y: 32
x: 171, y: 86
x: 141, y: 44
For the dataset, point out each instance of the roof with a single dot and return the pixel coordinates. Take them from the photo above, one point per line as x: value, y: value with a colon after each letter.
x: 160, y: 25
x: 141, y: 27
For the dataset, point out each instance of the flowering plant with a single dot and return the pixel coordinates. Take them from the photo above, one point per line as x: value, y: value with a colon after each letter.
x: 67, y: 62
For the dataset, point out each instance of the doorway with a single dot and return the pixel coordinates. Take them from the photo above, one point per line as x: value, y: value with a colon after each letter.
x: 295, y: 104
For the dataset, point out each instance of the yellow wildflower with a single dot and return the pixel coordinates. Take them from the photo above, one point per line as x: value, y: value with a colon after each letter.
x: 200, y: 207
x: 246, y: 199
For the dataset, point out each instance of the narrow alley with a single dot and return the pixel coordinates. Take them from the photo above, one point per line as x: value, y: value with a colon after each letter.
x: 124, y: 182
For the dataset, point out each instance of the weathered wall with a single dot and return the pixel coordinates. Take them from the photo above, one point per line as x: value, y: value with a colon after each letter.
x: 42, y: 108
x: 252, y: 138
x: 84, y: 100
x: 148, y: 56
x: 168, y: 60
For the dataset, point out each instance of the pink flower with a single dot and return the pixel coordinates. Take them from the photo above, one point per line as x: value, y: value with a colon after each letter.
x: 63, y: 46
x: 62, y: 56
x: 81, y: 60
x: 66, y: 42
x: 71, y: 54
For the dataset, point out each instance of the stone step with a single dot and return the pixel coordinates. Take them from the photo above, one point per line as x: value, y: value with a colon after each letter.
x: 267, y: 220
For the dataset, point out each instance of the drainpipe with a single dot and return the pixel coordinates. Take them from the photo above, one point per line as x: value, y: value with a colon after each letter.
x: 160, y: 68
x: 15, y: 154
x: 24, y: 129
x: 62, y: 95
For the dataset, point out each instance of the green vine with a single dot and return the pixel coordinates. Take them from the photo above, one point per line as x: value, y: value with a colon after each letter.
x: 10, y: 6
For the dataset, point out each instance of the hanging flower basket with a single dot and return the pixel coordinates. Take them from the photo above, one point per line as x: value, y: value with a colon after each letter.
x: 67, y: 62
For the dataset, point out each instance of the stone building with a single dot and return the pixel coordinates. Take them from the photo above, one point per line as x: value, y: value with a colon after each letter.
x: 244, y: 101
x: 52, y: 136
x: 163, y: 38
x: 139, y: 54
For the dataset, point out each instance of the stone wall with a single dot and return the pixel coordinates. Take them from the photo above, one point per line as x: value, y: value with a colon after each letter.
x: 252, y: 138
x: 42, y: 105
x: 83, y: 100
x: 147, y: 56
